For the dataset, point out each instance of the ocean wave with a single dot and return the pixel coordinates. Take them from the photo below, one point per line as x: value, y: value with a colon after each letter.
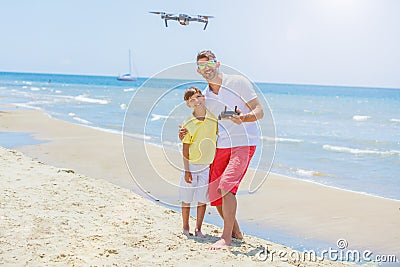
x: 25, y: 105
x: 138, y: 136
x: 171, y: 143
x: 156, y: 117
x: 82, y: 120
x: 35, y: 89
x: 360, y: 118
x: 83, y: 98
x: 301, y: 172
x: 288, y: 140
x: 395, y: 120
x: 282, y: 140
x: 308, y: 173
x: 129, y: 90
x: 123, y: 106
x: 360, y: 151
x: 40, y: 102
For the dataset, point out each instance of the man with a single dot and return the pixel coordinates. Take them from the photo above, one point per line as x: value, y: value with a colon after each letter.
x: 237, y: 139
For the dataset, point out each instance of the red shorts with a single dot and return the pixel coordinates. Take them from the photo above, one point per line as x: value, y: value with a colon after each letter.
x: 227, y: 171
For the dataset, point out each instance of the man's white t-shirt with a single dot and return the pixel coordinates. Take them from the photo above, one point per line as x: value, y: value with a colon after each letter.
x: 235, y: 90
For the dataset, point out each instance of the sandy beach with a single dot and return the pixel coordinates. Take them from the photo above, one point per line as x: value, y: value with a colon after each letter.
x: 57, y: 215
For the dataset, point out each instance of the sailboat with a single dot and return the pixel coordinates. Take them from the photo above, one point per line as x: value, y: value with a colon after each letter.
x: 128, y: 76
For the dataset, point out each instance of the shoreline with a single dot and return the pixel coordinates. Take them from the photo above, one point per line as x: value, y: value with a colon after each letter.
x: 120, y: 133
x: 285, y: 217
x: 339, y: 188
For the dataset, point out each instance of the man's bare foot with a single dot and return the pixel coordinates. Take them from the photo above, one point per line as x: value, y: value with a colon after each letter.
x: 237, y: 235
x: 186, y: 232
x: 220, y: 244
x: 198, y: 233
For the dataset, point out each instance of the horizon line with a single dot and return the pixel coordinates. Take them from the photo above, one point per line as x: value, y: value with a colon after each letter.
x: 263, y: 82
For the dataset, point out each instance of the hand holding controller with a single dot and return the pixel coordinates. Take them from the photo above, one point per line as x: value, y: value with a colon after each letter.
x: 226, y: 114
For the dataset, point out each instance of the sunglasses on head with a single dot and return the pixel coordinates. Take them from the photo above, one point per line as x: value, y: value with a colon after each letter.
x: 210, y: 63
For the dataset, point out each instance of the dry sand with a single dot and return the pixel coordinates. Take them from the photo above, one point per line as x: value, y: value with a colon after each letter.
x: 55, y: 217
x: 74, y: 219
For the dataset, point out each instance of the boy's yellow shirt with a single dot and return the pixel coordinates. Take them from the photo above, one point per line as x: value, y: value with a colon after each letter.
x: 202, y: 137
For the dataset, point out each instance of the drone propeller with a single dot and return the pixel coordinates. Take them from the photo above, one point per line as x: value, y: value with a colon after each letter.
x: 205, y: 16
x: 162, y: 13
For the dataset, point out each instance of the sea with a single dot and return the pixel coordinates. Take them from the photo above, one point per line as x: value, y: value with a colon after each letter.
x: 342, y: 137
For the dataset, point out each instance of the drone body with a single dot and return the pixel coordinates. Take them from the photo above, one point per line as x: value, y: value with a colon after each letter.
x: 183, y: 19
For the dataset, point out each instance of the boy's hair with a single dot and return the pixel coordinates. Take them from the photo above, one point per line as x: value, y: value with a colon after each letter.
x: 205, y: 54
x: 190, y: 92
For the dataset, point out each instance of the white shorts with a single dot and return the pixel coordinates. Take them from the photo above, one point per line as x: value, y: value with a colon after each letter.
x: 197, y: 191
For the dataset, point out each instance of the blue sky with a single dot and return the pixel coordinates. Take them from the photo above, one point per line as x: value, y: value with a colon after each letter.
x: 333, y: 42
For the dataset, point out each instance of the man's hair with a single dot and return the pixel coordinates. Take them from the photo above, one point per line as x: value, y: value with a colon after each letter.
x: 190, y: 92
x: 205, y: 54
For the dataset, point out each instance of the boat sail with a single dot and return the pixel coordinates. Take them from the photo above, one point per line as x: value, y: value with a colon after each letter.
x: 129, y: 77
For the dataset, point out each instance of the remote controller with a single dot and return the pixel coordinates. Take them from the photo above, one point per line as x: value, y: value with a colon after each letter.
x: 226, y: 114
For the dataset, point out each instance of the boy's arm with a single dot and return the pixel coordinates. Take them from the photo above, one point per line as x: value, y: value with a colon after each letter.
x: 185, y: 154
x: 182, y: 132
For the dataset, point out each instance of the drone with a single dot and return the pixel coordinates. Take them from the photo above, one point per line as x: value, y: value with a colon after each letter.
x: 183, y: 18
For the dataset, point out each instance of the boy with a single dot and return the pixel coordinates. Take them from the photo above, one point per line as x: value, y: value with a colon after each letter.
x: 198, y: 152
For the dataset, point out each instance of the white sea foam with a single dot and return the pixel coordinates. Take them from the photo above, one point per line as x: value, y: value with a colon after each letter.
x: 138, y: 136
x: 35, y: 89
x: 40, y: 102
x: 83, y: 98
x: 308, y: 173
x: 170, y: 143
x: 123, y: 106
x: 301, y: 172
x: 156, y: 117
x: 71, y: 114
x: 360, y: 151
x: 395, y: 120
x: 282, y: 140
x: 288, y: 140
x: 82, y: 120
x: 129, y: 90
x: 360, y: 118
x: 25, y: 105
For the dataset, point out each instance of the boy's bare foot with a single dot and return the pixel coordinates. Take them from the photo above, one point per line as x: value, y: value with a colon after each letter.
x: 220, y: 244
x: 186, y: 232
x: 198, y: 233
x: 237, y: 235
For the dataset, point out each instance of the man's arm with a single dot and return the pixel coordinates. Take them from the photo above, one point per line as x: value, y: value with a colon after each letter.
x: 255, y: 114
